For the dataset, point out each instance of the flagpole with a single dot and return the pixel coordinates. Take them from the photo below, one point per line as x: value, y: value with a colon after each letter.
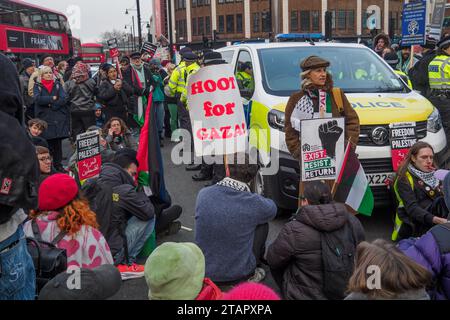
x: 335, y: 185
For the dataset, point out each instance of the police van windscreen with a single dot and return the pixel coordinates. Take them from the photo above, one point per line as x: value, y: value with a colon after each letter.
x: 355, y: 70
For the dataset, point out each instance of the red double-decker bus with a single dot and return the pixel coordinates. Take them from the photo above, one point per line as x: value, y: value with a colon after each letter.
x: 76, y: 47
x: 93, y: 53
x: 28, y: 30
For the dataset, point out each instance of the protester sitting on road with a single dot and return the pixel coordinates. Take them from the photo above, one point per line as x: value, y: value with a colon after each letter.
x: 176, y: 271
x: 45, y: 163
x: 232, y: 225
x: 61, y: 209
x: 296, y: 256
x: 98, y: 283
x: 251, y: 291
x: 100, y: 117
x: 118, y: 136
x: 432, y: 250
x: 35, y: 129
x: 383, y: 272
x: 128, y: 220
x: 50, y: 104
x: 419, y: 194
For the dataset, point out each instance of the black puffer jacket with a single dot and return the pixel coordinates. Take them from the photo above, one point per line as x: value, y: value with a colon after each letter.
x: 297, y: 250
x: 127, y: 202
x: 116, y: 102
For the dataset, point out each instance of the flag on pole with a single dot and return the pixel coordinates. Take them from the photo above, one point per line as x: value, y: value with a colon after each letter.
x: 151, y: 169
x: 352, y: 185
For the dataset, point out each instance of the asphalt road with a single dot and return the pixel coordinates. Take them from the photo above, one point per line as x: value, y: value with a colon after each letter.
x: 184, y: 192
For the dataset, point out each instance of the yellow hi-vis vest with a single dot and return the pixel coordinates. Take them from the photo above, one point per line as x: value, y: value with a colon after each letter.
x: 398, y: 222
x: 439, y: 73
x: 404, y: 75
x: 246, y: 80
x: 176, y: 81
x: 190, y: 70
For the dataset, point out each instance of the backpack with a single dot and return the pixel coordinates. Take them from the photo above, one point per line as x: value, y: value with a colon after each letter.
x: 338, y: 252
x: 48, y: 260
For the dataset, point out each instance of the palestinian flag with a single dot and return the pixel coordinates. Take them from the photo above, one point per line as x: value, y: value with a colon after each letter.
x: 151, y: 168
x: 352, y: 185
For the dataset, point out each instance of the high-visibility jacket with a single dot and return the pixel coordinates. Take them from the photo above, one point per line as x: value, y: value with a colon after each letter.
x: 246, y: 80
x: 405, y: 76
x: 398, y: 222
x: 177, y: 82
x: 189, y: 70
x: 439, y: 73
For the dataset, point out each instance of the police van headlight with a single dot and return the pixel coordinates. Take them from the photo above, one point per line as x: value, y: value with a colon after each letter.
x: 276, y: 120
x: 434, y: 122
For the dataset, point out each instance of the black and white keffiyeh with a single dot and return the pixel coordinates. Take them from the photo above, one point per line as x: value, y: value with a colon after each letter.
x: 234, y: 184
x: 304, y: 110
x: 427, y: 177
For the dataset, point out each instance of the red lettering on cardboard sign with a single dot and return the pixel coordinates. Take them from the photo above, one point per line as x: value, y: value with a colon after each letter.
x: 223, y: 133
x: 223, y: 84
x: 218, y: 110
x: 317, y: 155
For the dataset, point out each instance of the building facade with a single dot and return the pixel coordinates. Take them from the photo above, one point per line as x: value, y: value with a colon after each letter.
x: 194, y: 21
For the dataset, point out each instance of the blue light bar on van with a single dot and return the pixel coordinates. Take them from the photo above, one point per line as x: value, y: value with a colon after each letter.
x: 292, y: 36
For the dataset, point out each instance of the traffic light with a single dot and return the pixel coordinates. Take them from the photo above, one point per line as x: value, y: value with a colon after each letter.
x: 328, y: 25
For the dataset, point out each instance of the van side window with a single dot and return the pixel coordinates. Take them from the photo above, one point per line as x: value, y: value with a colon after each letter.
x: 228, y: 55
x: 244, y: 74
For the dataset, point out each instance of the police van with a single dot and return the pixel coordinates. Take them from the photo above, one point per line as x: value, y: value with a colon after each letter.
x: 380, y: 98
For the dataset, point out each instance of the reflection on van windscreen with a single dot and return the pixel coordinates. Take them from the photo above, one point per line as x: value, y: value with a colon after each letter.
x: 355, y: 70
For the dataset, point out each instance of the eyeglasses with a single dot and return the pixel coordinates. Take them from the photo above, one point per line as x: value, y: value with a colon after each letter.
x: 45, y: 159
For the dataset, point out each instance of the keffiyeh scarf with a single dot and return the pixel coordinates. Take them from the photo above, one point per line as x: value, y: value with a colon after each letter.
x: 427, y: 177
x: 305, y: 107
x: 234, y: 184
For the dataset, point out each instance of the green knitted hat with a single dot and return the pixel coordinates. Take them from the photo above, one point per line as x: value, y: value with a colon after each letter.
x: 175, y: 271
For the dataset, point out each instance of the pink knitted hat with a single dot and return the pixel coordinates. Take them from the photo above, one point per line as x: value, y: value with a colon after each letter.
x: 251, y: 291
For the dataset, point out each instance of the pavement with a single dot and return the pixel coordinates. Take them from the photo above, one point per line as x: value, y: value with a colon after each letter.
x: 184, y: 192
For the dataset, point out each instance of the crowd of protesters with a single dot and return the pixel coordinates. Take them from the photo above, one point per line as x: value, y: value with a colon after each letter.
x: 104, y: 224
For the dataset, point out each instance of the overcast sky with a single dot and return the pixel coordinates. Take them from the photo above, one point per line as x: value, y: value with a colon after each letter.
x: 97, y: 16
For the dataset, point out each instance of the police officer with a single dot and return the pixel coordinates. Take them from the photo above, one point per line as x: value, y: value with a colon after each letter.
x: 191, y: 66
x: 419, y: 73
x: 245, y: 77
x: 439, y: 75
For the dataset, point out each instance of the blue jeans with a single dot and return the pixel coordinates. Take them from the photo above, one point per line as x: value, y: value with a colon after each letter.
x: 17, y: 274
x: 137, y: 232
x: 160, y: 114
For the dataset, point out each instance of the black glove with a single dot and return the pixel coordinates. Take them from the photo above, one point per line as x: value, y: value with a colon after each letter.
x: 329, y: 134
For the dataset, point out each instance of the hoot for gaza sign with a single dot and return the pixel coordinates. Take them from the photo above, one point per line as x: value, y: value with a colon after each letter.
x: 216, y: 111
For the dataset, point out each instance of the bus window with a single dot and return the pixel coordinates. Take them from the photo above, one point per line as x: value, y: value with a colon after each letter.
x: 65, y: 27
x: 25, y: 20
x: 37, y: 20
x: 53, y: 22
x: 8, y: 14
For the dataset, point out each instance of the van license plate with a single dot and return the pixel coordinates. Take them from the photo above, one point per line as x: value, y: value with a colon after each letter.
x: 378, y: 179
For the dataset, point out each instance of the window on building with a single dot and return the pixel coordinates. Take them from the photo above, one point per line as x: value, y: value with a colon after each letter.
x: 239, y: 23
x: 229, y: 1
x: 194, y: 3
x: 194, y: 26
x: 333, y: 19
x: 208, y: 25
x: 221, y: 1
x: 351, y: 19
x: 221, y: 24
x: 230, y: 23
x: 256, y: 22
x: 201, y: 26
x: 294, y: 20
x: 341, y: 22
x: 315, y: 20
x: 305, y: 23
x: 266, y: 21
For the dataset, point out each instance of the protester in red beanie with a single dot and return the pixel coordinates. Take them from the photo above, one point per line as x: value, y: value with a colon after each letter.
x: 251, y: 291
x: 63, y: 211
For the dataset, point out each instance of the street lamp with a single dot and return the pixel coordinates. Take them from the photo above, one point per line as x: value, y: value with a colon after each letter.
x: 149, y: 35
x: 138, y: 4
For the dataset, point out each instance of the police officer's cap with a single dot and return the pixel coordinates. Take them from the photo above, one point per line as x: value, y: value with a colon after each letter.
x: 190, y: 57
x: 246, y: 65
x: 211, y: 58
x: 445, y: 42
x: 185, y: 50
